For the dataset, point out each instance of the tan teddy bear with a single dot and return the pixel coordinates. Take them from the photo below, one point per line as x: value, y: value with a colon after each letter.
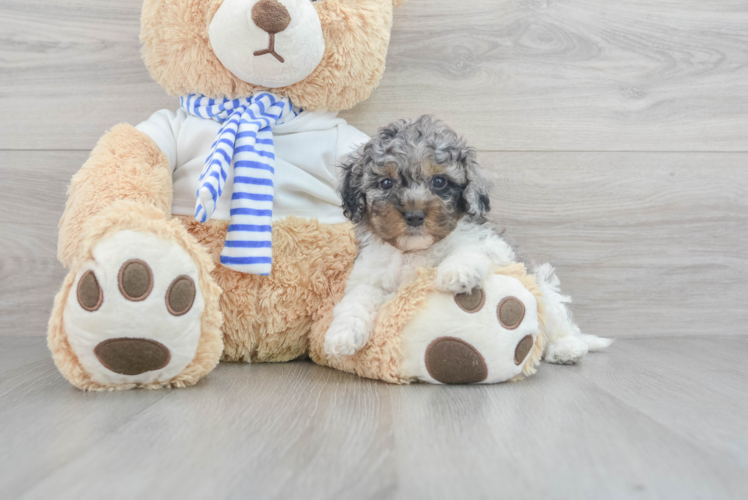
x: 147, y: 302
x: 216, y: 232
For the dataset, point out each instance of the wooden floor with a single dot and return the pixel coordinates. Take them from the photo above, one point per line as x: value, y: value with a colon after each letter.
x: 653, y: 418
x: 617, y: 136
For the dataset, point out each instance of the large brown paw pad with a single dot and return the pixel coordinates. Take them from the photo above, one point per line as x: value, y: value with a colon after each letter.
x: 451, y: 360
x: 132, y: 356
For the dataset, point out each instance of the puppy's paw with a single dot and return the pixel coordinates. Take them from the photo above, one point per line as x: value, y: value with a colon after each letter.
x: 566, y: 351
x: 345, y: 337
x: 457, y: 277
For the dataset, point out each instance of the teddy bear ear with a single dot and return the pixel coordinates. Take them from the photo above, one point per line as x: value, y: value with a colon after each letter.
x: 398, y: 3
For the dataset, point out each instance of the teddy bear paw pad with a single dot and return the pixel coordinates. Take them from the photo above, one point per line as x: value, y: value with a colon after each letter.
x: 454, y: 361
x: 134, y: 316
x: 482, y: 336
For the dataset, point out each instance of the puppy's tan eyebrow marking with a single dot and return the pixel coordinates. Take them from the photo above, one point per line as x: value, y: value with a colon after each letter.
x: 431, y: 169
x: 387, y: 170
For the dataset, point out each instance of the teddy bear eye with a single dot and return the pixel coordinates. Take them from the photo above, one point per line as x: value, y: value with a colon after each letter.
x: 438, y: 182
x: 386, y: 184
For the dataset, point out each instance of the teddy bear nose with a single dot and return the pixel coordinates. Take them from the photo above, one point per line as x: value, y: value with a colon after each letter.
x: 414, y: 218
x: 270, y: 16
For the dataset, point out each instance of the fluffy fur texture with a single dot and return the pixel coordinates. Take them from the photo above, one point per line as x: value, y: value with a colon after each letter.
x: 177, y: 51
x: 381, y: 358
x: 125, y: 165
x: 128, y: 215
x: 519, y: 272
x: 126, y: 185
x: 268, y: 319
x: 424, y: 166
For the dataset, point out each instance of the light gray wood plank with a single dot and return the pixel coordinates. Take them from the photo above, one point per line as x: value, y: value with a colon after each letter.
x: 513, y: 75
x: 36, y: 184
x: 572, y: 74
x: 664, y: 378
x: 71, y: 70
x: 556, y: 435
x: 647, y: 244
x: 295, y: 429
x: 264, y: 431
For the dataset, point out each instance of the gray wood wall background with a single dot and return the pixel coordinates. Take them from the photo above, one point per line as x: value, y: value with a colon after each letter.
x: 616, y: 133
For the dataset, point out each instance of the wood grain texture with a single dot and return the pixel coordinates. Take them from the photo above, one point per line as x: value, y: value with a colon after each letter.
x: 636, y: 422
x: 645, y: 243
x: 572, y: 74
x: 654, y: 254
x: 29, y: 271
x: 514, y: 75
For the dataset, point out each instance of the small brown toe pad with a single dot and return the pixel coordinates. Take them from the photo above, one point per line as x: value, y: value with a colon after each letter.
x: 523, y: 349
x: 511, y: 312
x: 180, y: 296
x: 471, y: 302
x: 135, y: 280
x: 90, y: 295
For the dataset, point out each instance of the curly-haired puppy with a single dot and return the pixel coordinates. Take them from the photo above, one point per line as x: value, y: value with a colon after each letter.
x: 419, y: 198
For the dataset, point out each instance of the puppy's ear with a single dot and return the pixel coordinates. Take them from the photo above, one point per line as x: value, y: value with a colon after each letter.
x: 478, y: 189
x: 351, y: 188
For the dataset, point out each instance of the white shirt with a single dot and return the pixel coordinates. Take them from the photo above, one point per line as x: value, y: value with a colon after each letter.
x: 307, y: 151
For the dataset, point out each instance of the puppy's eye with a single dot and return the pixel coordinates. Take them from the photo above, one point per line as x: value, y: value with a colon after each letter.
x: 386, y: 184
x: 438, y: 182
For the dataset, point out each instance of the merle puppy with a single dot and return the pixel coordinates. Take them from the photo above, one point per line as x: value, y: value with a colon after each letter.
x: 418, y: 198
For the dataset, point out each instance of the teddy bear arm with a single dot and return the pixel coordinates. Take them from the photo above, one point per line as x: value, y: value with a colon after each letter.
x: 126, y: 164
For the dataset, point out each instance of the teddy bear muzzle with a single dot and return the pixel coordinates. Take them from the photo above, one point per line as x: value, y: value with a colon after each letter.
x: 284, y: 38
x: 270, y: 16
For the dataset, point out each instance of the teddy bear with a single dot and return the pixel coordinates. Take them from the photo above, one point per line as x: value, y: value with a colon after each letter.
x: 216, y: 233
x: 156, y: 296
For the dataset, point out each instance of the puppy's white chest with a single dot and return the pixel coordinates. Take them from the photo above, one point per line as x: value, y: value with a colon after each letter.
x: 407, y: 264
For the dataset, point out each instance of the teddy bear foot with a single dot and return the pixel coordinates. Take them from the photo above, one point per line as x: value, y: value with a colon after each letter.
x: 132, y: 315
x: 489, y: 335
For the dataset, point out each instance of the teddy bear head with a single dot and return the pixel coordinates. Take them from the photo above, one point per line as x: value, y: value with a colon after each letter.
x: 322, y: 54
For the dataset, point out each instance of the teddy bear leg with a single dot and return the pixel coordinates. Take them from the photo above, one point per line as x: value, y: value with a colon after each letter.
x: 139, y: 307
x: 490, y: 334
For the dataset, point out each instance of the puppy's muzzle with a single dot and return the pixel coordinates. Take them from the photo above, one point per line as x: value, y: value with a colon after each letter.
x: 414, y: 218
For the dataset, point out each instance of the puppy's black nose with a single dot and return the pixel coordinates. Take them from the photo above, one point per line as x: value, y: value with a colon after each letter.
x: 414, y: 218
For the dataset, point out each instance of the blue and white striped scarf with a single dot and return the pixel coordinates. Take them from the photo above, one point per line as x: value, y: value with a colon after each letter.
x: 246, y: 137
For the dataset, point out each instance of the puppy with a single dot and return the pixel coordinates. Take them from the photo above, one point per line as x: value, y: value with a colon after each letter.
x: 418, y: 198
